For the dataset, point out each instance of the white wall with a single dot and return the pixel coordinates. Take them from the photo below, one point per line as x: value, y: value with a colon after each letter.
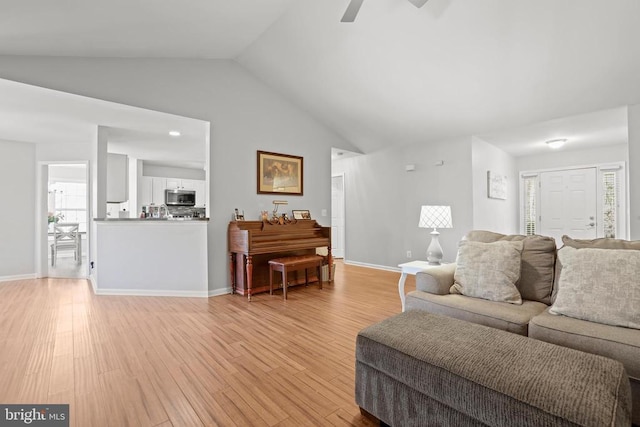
x: 563, y: 157
x: 17, y: 209
x: 500, y: 216
x: 173, y: 172
x: 67, y: 173
x: 245, y: 116
x: 383, y: 200
x: 634, y: 170
x: 62, y: 152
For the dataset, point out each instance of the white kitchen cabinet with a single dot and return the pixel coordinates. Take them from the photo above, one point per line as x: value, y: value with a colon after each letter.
x: 183, y: 184
x: 201, y: 195
x: 174, y: 183
x: 159, y: 185
x: 117, y: 178
x: 152, y: 189
x: 145, y: 191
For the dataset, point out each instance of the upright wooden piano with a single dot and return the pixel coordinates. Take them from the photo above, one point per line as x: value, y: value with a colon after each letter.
x: 253, y: 243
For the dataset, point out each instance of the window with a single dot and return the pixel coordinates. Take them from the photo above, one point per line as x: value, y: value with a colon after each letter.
x: 529, y: 219
x: 69, y: 202
x: 609, y: 203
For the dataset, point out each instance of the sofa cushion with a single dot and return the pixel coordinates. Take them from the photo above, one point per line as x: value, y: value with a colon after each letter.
x: 601, y: 243
x: 499, y: 315
x: 537, y: 266
x: 618, y: 343
x: 599, y: 285
x: 488, y: 270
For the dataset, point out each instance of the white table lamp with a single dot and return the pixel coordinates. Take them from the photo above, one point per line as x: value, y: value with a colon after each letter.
x: 435, y: 217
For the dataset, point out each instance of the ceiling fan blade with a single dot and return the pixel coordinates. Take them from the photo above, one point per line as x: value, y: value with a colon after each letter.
x: 352, y: 11
x: 418, y: 3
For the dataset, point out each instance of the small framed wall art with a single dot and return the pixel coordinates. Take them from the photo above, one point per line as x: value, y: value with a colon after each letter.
x: 279, y: 174
x: 301, y: 214
x: 496, y: 186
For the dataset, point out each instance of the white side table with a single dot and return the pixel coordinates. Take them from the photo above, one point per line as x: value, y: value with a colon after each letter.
x: 412, y: 268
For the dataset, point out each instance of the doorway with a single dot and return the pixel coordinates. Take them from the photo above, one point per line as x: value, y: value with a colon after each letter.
x: 568, y: 203
x: 67, y: 220
x: 337, y: 216
x: 582, y: 202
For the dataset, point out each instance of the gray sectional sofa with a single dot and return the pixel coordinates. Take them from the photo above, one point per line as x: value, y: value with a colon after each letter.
x: 538, y: 286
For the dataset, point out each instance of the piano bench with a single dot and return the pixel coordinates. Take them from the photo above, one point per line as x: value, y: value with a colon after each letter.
x: 294, y: 263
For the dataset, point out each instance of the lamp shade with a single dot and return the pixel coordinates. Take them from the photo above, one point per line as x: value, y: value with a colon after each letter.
x: 435, y: 217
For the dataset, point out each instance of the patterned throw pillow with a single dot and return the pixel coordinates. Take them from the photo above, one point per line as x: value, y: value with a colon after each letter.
x: 488, y: 270
x: 599, y: 285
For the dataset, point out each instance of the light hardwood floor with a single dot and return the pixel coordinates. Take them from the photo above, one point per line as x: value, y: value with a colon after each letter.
x: 159, y: 361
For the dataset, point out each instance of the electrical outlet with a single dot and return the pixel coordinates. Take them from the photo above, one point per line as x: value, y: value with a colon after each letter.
x: 408, y: 254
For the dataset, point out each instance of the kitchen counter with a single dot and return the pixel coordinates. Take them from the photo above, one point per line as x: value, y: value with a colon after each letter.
x: 150, y: 219
x: 160, y: 257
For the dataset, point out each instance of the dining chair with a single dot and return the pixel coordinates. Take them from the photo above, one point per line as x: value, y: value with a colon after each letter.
x: 66, y: 236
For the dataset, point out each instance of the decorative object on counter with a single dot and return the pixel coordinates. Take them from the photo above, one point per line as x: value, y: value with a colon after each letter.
x: 279, y: 173
x: 276, y: 205
x: 264, y: 215
x: 156, y: 211
x: 301, y: 214
x: 237, y: 216
x: 435, y: 217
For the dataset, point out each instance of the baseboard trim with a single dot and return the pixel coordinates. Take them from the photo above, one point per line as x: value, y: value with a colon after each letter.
x: 374, y: 266
x: 219, y: 292
x: 151, y: 293
x: 92, y: 279
x: 18, y: 277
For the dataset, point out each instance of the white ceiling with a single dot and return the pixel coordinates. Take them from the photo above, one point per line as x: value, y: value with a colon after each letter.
x: 38, y: 115
x: 397, y: 75
x: 135, y: 28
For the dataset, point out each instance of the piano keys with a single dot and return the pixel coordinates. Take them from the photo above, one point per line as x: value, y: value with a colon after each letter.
x: 253, y: 243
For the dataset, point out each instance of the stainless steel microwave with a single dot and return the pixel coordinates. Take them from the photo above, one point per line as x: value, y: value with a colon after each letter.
x: 180, y: 197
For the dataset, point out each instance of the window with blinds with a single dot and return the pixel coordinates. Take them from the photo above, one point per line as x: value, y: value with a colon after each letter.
x: 530, y: 185
x: 609, y: 202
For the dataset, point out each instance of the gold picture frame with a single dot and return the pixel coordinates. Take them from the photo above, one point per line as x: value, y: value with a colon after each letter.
x: 279, y: 173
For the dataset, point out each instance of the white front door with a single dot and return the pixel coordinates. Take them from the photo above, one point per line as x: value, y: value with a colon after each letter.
x: 337, y: 216
x: 568, y: 204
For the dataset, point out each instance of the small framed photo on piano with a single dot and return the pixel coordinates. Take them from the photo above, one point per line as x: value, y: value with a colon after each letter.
x: 301, y: 214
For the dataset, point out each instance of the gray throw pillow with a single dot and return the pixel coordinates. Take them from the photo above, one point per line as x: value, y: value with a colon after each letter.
x: 599, y: 285
x: 537, y: 263
x: 488, y: 270
x: 600, y: 243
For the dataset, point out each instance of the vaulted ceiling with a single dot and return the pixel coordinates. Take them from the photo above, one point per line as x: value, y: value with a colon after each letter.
x: 397, y: 75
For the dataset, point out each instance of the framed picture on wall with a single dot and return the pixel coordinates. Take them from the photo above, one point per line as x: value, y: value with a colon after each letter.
x: 496, y: 186
x: 279, y: 173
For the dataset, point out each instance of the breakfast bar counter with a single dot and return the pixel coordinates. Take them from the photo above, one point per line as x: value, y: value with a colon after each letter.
x: 161, y: 257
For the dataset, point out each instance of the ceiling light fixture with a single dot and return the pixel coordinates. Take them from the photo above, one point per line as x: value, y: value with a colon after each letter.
x: 556, y: 143
x: 174, y: 133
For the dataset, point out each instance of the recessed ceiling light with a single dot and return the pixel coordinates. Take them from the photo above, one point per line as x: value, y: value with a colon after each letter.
x: 174, y: 133
x: 556, y: 143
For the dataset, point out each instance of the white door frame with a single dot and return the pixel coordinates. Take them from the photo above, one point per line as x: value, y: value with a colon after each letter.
x: 344, y: 212
x: 622, y: 222
x: 42, y: 180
